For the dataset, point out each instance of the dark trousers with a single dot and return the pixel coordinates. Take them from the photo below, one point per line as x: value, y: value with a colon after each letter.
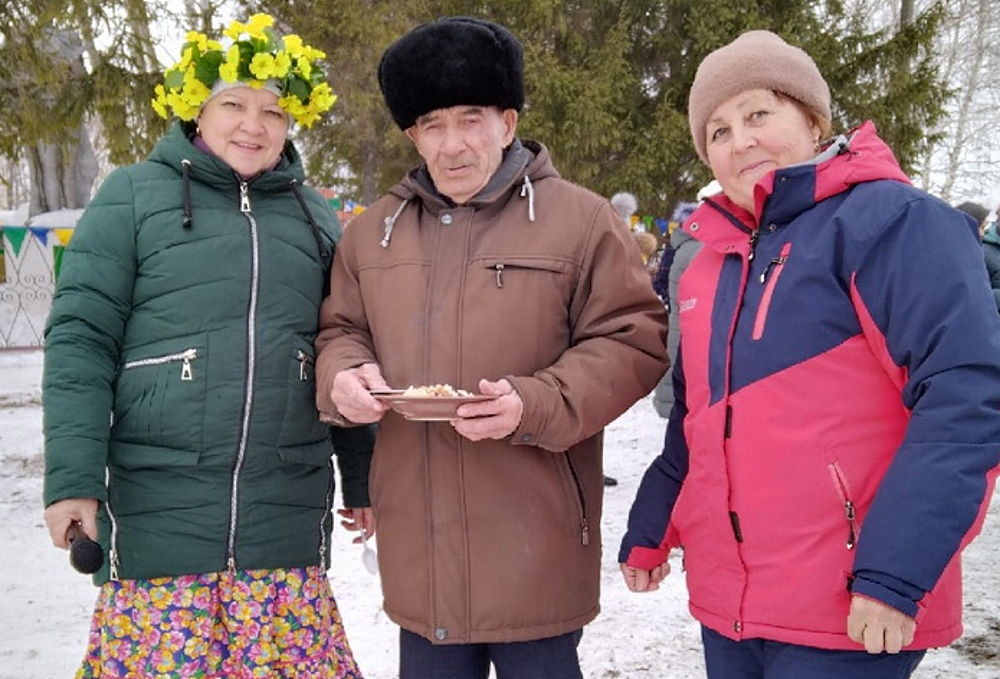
x: 551, y: 658
x: 762, y: 659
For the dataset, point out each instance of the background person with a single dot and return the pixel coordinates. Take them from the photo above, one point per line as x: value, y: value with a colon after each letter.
x: 991, y: 253
x: 185, y: 312
x: 835, y: 437
x: 683, y: 247
x: 485, y: 270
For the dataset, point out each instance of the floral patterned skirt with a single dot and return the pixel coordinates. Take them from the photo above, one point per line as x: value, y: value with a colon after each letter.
x: 264, y: 623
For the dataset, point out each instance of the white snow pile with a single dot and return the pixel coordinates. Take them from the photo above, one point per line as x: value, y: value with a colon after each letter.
x: 45, y: 606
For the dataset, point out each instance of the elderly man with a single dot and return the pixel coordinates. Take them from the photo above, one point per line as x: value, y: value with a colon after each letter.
x: 483, y: 269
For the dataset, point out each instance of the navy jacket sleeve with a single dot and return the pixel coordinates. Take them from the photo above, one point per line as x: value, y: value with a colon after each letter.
x: 650, y: 513
x: 922, y: 283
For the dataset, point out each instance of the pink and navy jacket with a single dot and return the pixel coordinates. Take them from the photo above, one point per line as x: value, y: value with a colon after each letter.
x: 836, y: 424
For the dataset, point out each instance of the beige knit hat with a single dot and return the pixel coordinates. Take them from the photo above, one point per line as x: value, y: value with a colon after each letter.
x: 756, y: 59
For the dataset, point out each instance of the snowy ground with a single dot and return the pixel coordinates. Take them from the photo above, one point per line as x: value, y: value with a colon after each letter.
x: 45, y: 606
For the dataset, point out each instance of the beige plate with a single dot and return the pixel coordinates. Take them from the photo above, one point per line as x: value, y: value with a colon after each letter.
x: 428, y: 408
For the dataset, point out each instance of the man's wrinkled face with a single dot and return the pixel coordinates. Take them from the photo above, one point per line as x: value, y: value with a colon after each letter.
x: 463, y: 146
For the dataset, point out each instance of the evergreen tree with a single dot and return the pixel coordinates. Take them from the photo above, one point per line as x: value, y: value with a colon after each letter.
x: 55, y: 81
x: 607, y: 81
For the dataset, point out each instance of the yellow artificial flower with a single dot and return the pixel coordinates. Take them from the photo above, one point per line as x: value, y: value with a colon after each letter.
x: 305, y: 68
x: 323, y: 97
x: 282, y: 64
x: 229, y: 70
x: 234, y: 30
x: 186, y: 58
x: 292, y: 105
x: 293, y: 44
x: 307, y: 118
x: 160, y: 101
x: 313, y: 54
x: 289, y: 59
x: 262, y: 65
x: 182, y: 109
x: 258, y: 22
x: 194, y: 93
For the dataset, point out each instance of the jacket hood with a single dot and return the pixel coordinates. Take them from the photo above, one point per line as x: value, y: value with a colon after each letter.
x: 177, y: 146
x: 524, y: 163
x: 853, y: 158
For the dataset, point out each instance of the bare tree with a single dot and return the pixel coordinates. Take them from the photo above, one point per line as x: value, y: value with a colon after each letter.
x: 966, y: 162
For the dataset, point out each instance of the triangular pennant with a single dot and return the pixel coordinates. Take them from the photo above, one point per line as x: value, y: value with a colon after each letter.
x: 15, y: 234
x: 63, y: 235
x: 41, y: 233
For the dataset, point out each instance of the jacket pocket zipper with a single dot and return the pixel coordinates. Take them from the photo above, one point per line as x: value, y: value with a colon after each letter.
x: 305, y: 362
x: 185, y: 357
x: 326, y: 515
x: 844, y: 492
x: 584, y: 524
x: 769, y: 278
x: 113, y: 561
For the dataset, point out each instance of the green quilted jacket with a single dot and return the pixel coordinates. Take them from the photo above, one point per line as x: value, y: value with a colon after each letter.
x: 178, y: 386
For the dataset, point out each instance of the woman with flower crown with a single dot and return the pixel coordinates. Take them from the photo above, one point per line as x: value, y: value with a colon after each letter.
x: 180, y: 427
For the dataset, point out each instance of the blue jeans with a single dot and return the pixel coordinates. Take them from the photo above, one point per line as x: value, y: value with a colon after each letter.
x: 763, y: 659
x: 551, y: 658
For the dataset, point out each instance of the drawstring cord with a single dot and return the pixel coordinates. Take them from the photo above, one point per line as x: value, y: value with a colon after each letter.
x: 325, y: 251
x: 390, y: 223
x: 186, y: 191
x: 527, y: 188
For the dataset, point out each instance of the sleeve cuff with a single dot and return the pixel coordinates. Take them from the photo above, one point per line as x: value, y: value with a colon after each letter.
x: 863, y: 586
x: 646, y: 558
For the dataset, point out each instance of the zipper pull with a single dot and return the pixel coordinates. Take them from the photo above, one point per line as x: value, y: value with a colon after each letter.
x: 849, y: 512
x: 231, y: 564
x: 187, y: 356
x: 304, y: 359
x: 754, y: 235
x: 499, y: 268
x: 113, y: 562
x: 585, y: 532
x: 779, y: 260
x: 244, y: 198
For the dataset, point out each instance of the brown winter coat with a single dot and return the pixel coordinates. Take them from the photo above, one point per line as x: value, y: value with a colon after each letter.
x: 494, y: 541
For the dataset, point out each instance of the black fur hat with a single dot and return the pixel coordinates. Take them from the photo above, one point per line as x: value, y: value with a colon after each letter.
x: 454, y: 61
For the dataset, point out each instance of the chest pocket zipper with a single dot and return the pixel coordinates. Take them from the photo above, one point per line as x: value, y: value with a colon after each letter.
x: 769, y: 278
x: 499, y: 267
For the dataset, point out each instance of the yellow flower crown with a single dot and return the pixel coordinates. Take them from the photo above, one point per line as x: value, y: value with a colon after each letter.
x: 256, y: 57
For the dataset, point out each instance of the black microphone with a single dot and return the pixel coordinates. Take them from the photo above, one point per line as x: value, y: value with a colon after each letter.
x: 85, y: 555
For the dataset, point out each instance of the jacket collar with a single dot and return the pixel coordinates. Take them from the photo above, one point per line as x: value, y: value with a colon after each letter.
x: 780, y: 196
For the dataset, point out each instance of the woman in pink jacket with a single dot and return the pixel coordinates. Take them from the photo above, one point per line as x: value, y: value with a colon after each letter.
x: 834, y: 438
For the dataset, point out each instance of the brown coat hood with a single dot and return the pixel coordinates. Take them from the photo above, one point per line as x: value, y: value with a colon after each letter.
x: 535, y: 280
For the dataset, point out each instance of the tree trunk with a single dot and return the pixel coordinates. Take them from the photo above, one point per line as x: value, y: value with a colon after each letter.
x: 905, y: 12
